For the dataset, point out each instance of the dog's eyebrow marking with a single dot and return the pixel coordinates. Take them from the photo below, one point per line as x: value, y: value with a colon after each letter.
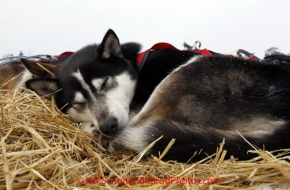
x: 80, y: 78
x: 97, y: 83
x: 79, y: 97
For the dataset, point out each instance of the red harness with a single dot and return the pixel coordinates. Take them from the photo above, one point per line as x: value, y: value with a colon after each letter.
x: 67, y: 53
x: 142, y: 57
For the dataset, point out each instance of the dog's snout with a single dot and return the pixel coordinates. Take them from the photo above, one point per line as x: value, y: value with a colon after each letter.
x: 109, y: 126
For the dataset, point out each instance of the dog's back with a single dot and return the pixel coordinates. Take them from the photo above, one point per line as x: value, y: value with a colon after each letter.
x: 159, y: 63
x: 208, y: 99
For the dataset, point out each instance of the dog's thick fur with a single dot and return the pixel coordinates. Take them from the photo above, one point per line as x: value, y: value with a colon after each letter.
x: 200, y: 103
x: 210, y: 98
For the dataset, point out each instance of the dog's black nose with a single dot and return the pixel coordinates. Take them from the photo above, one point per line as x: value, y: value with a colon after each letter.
x: 109, y: 126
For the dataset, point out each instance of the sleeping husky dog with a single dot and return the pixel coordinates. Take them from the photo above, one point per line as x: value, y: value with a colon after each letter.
x: 200, y: 103
x: 96, y: 84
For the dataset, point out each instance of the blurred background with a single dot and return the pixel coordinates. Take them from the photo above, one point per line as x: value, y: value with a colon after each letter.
x: 54, y: 26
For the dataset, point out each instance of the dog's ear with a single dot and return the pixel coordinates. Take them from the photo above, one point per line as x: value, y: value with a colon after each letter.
x: 44, y: 87
x: 41, y: 70
x: 110, y: 45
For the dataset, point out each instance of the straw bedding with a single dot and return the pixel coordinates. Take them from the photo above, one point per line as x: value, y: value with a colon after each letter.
x: 42, y: 149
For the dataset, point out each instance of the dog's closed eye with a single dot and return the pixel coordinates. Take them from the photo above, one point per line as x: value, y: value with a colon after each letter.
x: 79, y: 105
x: 105, y: 83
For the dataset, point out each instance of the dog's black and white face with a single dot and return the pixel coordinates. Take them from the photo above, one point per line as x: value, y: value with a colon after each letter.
x: 95, y: 85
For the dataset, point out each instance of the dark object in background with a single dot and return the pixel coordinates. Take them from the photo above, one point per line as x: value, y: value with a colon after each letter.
x: 274, y: 55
